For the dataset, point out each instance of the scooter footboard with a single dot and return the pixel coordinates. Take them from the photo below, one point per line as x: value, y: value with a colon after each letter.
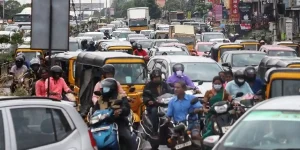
x: 106, y: 136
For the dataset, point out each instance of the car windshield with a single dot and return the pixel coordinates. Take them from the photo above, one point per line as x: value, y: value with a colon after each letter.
x: 130, y: 73
x: 242, y: 60
x: 291, y: 46
x: 96, y: 37
x: 145, y: 44
x: 73, y: 46
x: 207, y: 37
x: 158, y: 43
x: 137, y: 23
x: 22, y: 18
x: 285, y: 88
x: 201, y: 70
x: 115, y: 34
x: 30, y: 55
x: 172, y: 53
x: 124, y: 34
x: 146, y: 33
x: 265, y: 130
x: 250, y: 47
x: 162, y: 35
x: 282, y: 53
x: 203, y: 48
x: 188, y: 40
x: 228, y: 49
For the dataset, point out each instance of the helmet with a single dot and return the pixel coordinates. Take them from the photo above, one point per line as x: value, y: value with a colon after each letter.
x: 177, y: 67
x: 34, y: 61
x: 239, y: 77
x: 134, y: 45
x: 91, y: 43
x: 109, y: 88
x: 106, y: 31
x: 250, y: 74
x: 22, y: 55
x: 139, y: 46
x: 56, y: 69
x: 19, y: 59
x: 84, y: 42
x: 108, y: 68
x: 155, y: 73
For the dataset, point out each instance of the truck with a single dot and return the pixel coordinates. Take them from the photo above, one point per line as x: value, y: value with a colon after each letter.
x: 23, y: 18
x: 184, y: 34
x: 138, y: 18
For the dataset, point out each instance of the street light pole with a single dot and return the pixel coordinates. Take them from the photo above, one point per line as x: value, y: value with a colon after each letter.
x: 3, y: 13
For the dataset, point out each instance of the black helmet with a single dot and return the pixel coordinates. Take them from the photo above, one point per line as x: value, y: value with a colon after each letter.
x: 134, y: 45
x: 250, y: 74
x: 155, y: 73
x: 108, y: 68
x: 56, y: 69
x: 19, y: 59
x: 22, y: 55
x: 177, y: 67
x: 109, y: 88
x: 84, y: 42
x: 139, y: 46
x: 91, y: 43
x: 239, y: 77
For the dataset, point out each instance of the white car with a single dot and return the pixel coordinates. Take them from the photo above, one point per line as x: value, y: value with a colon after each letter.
x: 41, y: 123
x: 219, y: 40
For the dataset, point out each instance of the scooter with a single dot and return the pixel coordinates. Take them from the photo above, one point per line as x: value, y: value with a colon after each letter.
x: 105, y: 131
x: 146, y: 124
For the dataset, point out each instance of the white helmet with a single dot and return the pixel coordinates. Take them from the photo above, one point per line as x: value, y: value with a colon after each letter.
x: 35, y: 61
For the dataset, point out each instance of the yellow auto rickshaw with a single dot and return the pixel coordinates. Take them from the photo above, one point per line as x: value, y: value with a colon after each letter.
x: 120, y: 46
x: 131, y: 72
x: 277, y: 62
x: 282, y: 82
x: 29, y: 53
x: 248, y: 44
x: 219, y: 48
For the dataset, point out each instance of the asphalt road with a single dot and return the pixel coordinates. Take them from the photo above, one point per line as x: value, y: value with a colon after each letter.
x: 146, y: 145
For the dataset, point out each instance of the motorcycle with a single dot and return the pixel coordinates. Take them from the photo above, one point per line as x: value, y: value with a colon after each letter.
x: 181, y: 137
x: 105, y: 131
x: 147, y: 126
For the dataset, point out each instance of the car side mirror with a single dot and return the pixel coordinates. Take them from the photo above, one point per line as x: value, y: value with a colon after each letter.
x: 211, y: 141
x: 226, y: 64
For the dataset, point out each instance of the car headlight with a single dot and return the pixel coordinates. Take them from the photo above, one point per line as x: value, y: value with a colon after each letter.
x: 96, y: 119
x: 221, y: 109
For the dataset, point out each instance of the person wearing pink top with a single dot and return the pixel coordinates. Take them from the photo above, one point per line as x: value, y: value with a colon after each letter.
x: 108, y: 71
x: 40, y: 89
x: 57, y: 83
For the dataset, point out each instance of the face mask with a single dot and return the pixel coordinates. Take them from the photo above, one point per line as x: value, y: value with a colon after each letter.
x: 179, y: 73
x: 217, y: 86
x: 241, y: 80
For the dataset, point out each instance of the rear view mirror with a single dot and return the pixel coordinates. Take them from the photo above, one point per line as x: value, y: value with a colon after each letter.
x: 211, y: 141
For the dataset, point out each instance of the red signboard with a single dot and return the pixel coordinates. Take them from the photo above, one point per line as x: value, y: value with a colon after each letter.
x: 234, y: 10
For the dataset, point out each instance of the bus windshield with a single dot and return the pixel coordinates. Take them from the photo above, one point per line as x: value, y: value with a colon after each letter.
x: 22, y: 18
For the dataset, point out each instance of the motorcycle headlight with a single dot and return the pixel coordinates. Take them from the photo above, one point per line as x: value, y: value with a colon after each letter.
x: 221, y: 109
x: 96, y: 119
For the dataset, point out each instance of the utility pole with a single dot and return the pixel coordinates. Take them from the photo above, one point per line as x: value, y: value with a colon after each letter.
x: 276, y: 20
x: 91, y: 4
x: 80, y: 11
x: 3, y: 11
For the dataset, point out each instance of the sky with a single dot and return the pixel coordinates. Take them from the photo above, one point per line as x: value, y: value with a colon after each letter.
x: 75, y: 1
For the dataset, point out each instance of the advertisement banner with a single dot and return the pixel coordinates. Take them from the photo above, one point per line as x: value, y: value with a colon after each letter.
x: 218, y: 12
x: 245, y: 11
x: 234, y: 11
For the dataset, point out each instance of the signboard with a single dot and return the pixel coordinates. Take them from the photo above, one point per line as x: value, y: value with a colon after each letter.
x: 245, y: 10
x: 218, y: 12
x: 234, y: 11
x: 289, y: 29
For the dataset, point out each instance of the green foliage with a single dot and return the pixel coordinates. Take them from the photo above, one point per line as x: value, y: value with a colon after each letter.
x: 202, y: 8
x: 173, y: 5
x: 16, y: 39
x: 6, y: 57
x: 154, y: 11
x: 12, y: 7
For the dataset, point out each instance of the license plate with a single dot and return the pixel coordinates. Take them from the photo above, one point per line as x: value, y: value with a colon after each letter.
x: 180, y: 146
x: 225, y: 129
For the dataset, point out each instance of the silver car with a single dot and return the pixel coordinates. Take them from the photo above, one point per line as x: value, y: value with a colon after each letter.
x: 43, y: 124
x: 271, y: 124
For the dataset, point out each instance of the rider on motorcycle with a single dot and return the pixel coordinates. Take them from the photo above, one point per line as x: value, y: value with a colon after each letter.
x: 110, y: 92
x: 32, y: 73
x: 17, y: 71
x: 27, y: 64
x: 139, y: 51
x: 91, y: 47
x: 157, y: 88
x: 106, y: 34
x: 178, y: 75
x: 108, y: 71
x: 134, y: 46
x: 238, y: 85
x: 255, y: 83
x: 180, y: 106
x: 84, y: 44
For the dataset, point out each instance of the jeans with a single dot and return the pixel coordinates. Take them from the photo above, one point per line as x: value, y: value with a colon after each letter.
x: 125, y: 137
x: 194, y: 127
x: 153, y: 117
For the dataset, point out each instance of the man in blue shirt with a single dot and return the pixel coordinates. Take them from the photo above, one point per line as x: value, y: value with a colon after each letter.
x: 180, y: 106
x: 255, y: 83
x: 238, y: 85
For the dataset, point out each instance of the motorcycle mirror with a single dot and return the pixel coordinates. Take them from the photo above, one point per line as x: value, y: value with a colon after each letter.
x: 98, y: 93
x: 239, y: 94
x: 161, y: 114
x: 211, y: 141
x: 194, y: 101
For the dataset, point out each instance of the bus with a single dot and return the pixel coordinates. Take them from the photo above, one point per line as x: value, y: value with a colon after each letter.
x: 23, y: 18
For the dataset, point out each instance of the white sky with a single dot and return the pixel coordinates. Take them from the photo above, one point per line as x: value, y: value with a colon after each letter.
x: 75, y: 1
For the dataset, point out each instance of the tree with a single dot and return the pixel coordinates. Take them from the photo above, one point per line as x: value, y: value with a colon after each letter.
x: 172, y: 5
x: 11, y: 8
x: 140, y: 3
x: 202, y: 8
x: 154, y: 11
